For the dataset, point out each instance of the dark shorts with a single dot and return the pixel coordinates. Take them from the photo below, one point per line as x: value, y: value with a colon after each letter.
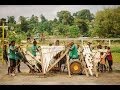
x: 12, y: 62
x: 110, y: 62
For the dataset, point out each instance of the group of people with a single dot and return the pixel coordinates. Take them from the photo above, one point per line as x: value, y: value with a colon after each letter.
x: 106, y: 57
x: 102, y: 58
x: 12, y: 56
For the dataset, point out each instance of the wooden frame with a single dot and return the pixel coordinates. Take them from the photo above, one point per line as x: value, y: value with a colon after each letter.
x: 62, y: 55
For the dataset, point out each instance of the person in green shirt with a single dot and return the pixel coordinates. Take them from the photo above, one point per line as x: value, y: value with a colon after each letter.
x: 34, y: 48
x: 73, y: 53
x: 11, y: 54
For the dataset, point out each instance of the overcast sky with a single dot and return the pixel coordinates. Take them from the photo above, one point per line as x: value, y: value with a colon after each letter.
x: 49, y: 11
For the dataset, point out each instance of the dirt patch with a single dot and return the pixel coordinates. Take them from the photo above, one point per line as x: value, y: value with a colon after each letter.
x: 25, y: 78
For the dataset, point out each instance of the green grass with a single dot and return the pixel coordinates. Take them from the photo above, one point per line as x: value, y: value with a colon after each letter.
x: 115, y: 49
x: 116, y: 57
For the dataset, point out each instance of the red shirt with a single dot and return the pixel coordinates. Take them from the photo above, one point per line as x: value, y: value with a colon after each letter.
x: 109, y: 55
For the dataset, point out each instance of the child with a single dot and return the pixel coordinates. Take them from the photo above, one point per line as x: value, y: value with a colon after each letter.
x: 34, y: 48
x: 109, y: 58
x: 102, y: 62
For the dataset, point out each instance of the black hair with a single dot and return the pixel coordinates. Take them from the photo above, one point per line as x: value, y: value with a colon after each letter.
x: 101, y: 53
x: 105, y: 47
x: 34, y: 42
x: 99, y: 46
x: 12, y: 41
x: 108, y: 47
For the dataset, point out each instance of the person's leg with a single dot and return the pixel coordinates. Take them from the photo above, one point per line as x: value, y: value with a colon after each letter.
x: 11, y: 66
x: 18, y: 67
x: 104, y: 68
x: 8, y: 70
x: 95, y: 68
x: 14, y: 66
x: 110, y: 65
x: 101, y: 67
x: 98, y: 66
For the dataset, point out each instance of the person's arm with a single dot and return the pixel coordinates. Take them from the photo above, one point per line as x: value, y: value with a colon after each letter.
x: 12, y: 48
x: 37, y: 48
x: 73, y: 46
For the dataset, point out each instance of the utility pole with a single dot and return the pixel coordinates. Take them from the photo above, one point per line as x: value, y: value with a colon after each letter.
x: 3, y: 28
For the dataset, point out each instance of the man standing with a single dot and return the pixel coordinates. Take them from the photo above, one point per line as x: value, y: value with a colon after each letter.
x: 12, y: 58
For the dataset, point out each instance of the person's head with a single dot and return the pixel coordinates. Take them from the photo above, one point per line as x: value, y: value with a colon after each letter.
x: 50, y: 44
x: 5, y: 46
x: 101, y: 53
x: 12, y: 43
x: 57, y: 42
x: 99, y: 47
x: 71, y: 43
x: 105, y: 47
x: 108, y: 48
x: 89, y: 43
x: 34, y: 43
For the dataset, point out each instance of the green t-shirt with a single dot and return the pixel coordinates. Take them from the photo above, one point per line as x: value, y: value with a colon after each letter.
x: 34, y: 49
x: 12, y: 52
x: 73, y: 54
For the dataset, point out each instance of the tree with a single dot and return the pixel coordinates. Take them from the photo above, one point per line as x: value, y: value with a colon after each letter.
x: 11, y: 22
x: 107, y: 22
x: 83, y: 27
x: 84, y: 14
x: 73, y: 31
x: 65, y: 17
x: 11, y: 19
x: 24, y: 24
x: 43, y: 19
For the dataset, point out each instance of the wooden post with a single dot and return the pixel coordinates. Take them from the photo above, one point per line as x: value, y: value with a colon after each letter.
x: 3, y: 27
x: 57, y: 60
x: 2, y: 42
x: 84, y: 65
x: 82, y: 41
x: 95, y: 69
x: 109, y: 43
x: 68, y: 65
x: 42, y: 62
